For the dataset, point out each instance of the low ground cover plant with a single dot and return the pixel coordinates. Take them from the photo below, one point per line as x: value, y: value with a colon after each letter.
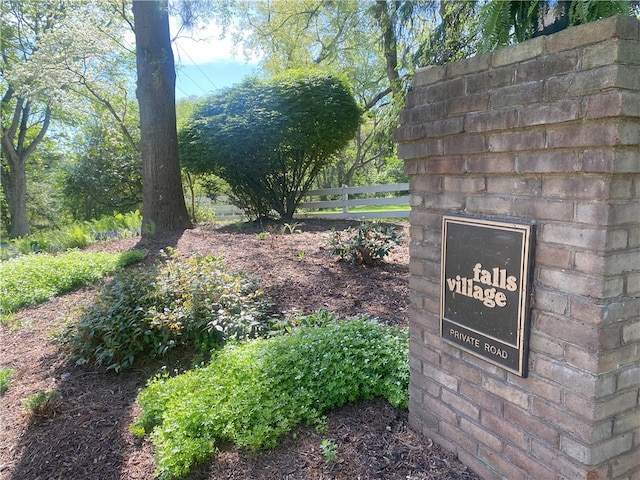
x: 253, y: 392
x: 366, y: 245
x: 32, y: 279
x: 75, y: 235
x: 147, y: 312
x: 5, y: 380
x: 43, y: 404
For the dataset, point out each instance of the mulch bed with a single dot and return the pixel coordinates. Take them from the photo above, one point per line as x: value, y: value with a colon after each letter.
x: 86, y: 436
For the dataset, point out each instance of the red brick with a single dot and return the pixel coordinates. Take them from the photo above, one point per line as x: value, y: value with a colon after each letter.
x: 460, y: 405
x: 407, y: 133
x: 469, y: 103
x: 500, y: 464
x: 554, y: 459
x: 550, y: 113
x: 530, y: 71
x: 490, y: 79
x: 445, y: 89
x: 494, y: 163
x: 597, y: 134
x: 428, y: 75
x: 523, y: 51
x: 489, y: 205
x: 469, y: 184
x: 549, y: 161
x: 424, y: 183
x: 510, y: 393
x: 445, y: 126
x: 462, y: 370
x: 483, y: 436
x: 451, y: 165
x: 572, y: 282
x: 626, y: 464
x: 581, y: 83
x: 444, y: 201
x: 491, y: 120
x: 538, y: 386
x: 563, y: 328
x: 516, y: 140
x: 544, y: 344
x: 465, y: 144
x: 615, y: 405
x: 483, y: 399
x: 570, y: 378
x: 553, y: 256
x: 408, y: 151
x: 442, y: 378
x: 504, y: 429
x: 514, y: 185
x: 532, y: 425
x: 576, y: 235
x: 580, y: 186
x: 551, y: 301
x: 527, y: 463
x: 479, y: 467
x: 586, y: 310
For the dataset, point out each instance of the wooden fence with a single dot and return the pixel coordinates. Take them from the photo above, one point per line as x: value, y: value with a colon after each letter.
x: 323, y: 203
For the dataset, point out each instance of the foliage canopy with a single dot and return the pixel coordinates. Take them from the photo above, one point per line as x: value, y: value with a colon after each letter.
x: 270, y: 138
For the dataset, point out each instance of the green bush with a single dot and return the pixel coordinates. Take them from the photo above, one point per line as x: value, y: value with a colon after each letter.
x: 43, y: 404
x: 32, y: 279
x: 366, y: 245
x: 5, y: 380
x: 150, y: 311
x: 252, y: 393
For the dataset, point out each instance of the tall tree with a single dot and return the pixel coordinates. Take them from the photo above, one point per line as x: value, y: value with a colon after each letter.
x: 368, y: 41
x: 56, y: 58
x: 25, y: 119
x: 163, y: 205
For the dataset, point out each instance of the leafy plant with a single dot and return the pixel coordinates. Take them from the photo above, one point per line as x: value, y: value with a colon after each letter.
x: 31, y: 279
x: 75, y: 235
x: 291, y: 228
x: 43, y: 404
x: 252, y: 393
x: 5, y: 380
x: 329, y: 449
x: 366, y: 245
x: 151, y: 311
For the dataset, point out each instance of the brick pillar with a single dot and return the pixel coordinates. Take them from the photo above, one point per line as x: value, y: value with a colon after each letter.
x: 545, y: 131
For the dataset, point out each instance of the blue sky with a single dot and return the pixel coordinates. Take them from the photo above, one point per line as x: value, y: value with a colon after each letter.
x: 205, y: 62
x: 205, y: 78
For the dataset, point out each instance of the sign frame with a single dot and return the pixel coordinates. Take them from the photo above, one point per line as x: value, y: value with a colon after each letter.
x: 486, y: 278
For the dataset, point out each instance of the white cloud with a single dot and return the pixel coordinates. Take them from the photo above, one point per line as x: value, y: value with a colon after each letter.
x: 202, y: 46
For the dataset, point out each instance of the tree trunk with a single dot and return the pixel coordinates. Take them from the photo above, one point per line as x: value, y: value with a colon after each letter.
x: 14, y: 183
x: 16, y: 150
x: 163, y: 204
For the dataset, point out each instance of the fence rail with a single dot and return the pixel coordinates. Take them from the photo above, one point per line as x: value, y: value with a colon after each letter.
x: 317, y: 204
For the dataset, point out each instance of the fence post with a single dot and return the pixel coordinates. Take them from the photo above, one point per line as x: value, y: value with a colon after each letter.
x: 345, y: 197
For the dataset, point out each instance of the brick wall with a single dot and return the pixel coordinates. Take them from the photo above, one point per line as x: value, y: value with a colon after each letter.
x: 545, y: 131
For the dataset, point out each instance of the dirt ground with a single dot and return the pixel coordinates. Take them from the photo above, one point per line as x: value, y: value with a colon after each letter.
x: 87, y: 436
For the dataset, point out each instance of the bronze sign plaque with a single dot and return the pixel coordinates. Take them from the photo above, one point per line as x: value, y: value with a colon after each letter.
x: 485, y: 282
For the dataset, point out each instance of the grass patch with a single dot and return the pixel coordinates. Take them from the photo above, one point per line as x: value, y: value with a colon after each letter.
x: 32, y: 279
x: 252, y: 393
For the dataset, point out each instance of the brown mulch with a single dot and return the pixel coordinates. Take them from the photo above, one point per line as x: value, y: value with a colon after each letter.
x: 86, y: 436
